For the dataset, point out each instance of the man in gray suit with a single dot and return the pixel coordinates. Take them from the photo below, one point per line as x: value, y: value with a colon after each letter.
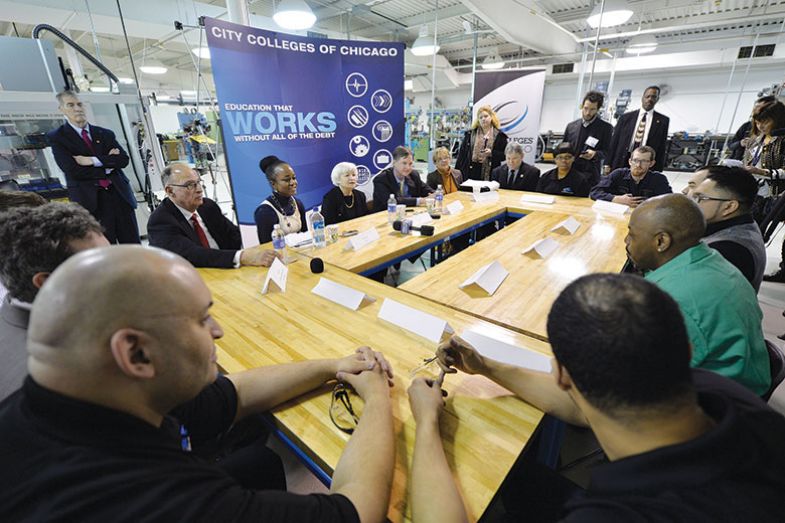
x: 34, y: 241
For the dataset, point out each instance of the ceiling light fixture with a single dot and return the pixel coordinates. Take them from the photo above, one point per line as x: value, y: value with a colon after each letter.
x: 188, y: 93
x: 294, y: 15
x: 99, y: 89
x: 153, y: 68
x: 125, y: 80
x: 425, y: 45
x: 202, y: 52
x: 163, y: 97
x: 616, y: 12
x: 642, y: 44
x: 493, y: 61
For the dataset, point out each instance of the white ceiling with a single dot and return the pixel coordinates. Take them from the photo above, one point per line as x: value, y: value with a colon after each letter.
x: 536, y: 31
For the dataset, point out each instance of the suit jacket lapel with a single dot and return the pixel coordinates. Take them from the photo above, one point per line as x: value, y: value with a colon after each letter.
x: 181, y: 221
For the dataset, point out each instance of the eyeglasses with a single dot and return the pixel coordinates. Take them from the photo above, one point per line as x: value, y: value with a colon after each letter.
x: 341, y: 412
x: 640, y: 162
x: 697, y: 198
x: 190, y: 186
x: 564, y: 158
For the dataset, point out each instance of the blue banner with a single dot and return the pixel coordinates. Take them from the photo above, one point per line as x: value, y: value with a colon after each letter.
x: 312, y: 102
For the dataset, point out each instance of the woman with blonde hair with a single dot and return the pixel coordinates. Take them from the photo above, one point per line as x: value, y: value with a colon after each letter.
x: 482, y: 147
x: 444, y: 174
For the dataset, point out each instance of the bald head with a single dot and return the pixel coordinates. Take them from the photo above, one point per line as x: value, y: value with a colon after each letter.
x: 661, y: 228
x: 123, y: 315
x: 183, y: 186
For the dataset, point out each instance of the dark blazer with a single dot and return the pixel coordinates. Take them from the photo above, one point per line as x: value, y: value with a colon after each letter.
x: 622, y: 135
x: 384, y: 184
x: 434, y: 178
x: 525, y: 180
x: 737, y: 150
x: 334, y: 207
x: 81, y: 180
x: 464, y: 159
x: 577, y: 135
x: 168, y: 229
x: 620, y: 182
x: 13, y: 346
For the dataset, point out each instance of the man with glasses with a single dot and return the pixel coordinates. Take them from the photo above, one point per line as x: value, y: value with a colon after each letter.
x: 194, y: 227
x: 634, y: 185
x: 725, y: 196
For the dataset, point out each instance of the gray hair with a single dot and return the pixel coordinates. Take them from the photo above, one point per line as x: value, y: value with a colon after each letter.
x: 169, y: 170
x: 37, y: 239
x: 340, y: 169
x: 513, y: 148
x: 65, y: 94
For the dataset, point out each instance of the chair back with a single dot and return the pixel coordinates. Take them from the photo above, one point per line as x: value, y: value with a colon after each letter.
x: 777, y: 364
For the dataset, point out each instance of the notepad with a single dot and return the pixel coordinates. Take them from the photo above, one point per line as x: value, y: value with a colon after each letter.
x: 537, y: 198
x: 614, y: 208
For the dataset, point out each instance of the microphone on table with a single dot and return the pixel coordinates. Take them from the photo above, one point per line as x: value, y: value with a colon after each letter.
x: 317, y: 265
x: 425, y: 230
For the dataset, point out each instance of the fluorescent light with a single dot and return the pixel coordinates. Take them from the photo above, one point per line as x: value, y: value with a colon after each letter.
x: 188, y: 93
x: 616, y: 13
x: 493, y: 61
x: 408, y: 85
x: 202, y: 52
x: 294, y: 14
x: 125, y: 80
x: 162, y: 97
x: 99, y: 89
x: 642, y: 44
x: 153, y: 68
x: 425, y: 45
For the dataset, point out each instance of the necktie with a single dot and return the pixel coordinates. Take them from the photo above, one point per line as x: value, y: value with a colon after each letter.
x: 199, y: 231
x: 86, y: 139
x: 403, y: 182
x: 511, y: 178
x: 639, y: 133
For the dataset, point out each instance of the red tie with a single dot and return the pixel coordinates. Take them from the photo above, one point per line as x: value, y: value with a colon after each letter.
x: 199, y: 231
x: 86, y: 139
x: 89, y: 143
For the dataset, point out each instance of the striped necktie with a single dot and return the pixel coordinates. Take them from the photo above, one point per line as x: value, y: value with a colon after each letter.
x: 637, y: 141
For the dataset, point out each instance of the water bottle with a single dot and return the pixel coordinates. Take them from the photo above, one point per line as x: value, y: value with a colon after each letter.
x: 317, y: 226
x: 279, y: 240
x: 392, y: 209
x: 439, y: 200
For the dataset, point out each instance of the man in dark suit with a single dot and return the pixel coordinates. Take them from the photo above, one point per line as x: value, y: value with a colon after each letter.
x: 514, y: 174
x: 92, y: 161
x: 642, y: 127
x: 590, y: 137
x: 194, y: 227
x: 400, y: 179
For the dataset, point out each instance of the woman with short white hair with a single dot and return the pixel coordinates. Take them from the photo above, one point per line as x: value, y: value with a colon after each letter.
x: 343, y: 202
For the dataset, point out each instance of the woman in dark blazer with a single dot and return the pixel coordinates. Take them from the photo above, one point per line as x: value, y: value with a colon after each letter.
x: 281, y: 206
x: 482, y: 147
x: 450, y: 179
x: 343, y: 202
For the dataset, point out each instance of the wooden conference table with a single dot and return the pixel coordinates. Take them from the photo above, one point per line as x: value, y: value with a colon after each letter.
x: 484, y: 427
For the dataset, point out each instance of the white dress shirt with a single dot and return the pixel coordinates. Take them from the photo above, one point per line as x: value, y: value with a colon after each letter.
x: 210, y: 240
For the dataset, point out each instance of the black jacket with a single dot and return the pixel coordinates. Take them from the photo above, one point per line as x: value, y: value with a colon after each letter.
x: 384, y: 184
x: 168, y: 229
x: 82, y: 180
x: 334, y: 207
x: 525, y: 179
x: 576, y: 134
x: 622, y: 136
x: 464, y: 159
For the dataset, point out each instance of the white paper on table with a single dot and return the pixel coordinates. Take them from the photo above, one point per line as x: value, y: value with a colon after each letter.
x: 277, y: 273
x: 615, y: 208
x: 488, y: 277
x: 454, y: 208
x: 485, y: 197
x: 361, y: 240
x: 570, y: 225
x: 507, y: 353
x: 413, y: 320
x: 298, y: 239
x: 542, y: 247
x: 538, y: 198
x: 420, y: 219
x: 341, y: 294
x: 491, y: 185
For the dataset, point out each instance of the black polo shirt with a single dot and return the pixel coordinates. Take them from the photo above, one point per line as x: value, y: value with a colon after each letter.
x: 574, y: 184
x: 733, y: 473
x: 621, y: 182
x: 68, y: 460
